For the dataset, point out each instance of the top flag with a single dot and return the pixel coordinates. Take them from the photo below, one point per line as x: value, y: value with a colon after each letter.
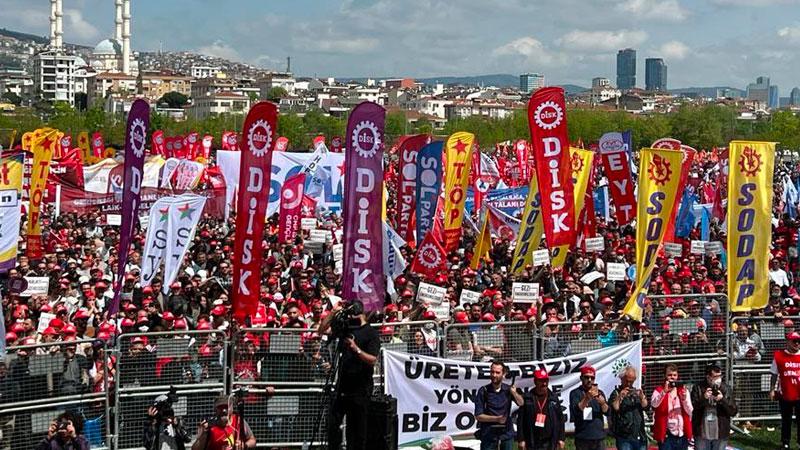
x: 548, y: 124
x: 456, y: 177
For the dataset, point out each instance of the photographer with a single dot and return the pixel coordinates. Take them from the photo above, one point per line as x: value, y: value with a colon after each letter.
x: 672, y: 422
x: 714, y: 405
x: 223, y: 431
x: 360, y: 351
x: 626, y: 416
x: 587, y: 406
x: 163, y: 430
x: 65, y: 434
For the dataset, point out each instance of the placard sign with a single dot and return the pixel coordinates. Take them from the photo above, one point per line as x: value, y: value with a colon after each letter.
x: 338, y: 252
x: 541, y: 257
x: 698, y: 247
x: 615, y: 271
x: 36, y: 286
x: 470, y: 297
x: 434, y: 297
x: 714, y: 247
x: 308, y: 223
x: 319, y: 235
x: 673, y: 249
x: 525, y: 292
x: 595, y: 244
x: 114, y: 219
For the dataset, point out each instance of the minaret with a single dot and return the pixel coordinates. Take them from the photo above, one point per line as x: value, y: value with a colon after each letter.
x: 53, y: 23
x: 118, y: 20
x: 126, y: 37
x: 56, y: 30
x: 59, y: 35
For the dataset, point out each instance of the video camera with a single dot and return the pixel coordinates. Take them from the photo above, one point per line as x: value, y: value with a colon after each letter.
x: 62, y: 425
x: 341, y: 322
x: 163, y: 403
x: 676, y: 384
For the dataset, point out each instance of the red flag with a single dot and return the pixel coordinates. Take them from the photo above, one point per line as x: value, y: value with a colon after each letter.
x: 409, y: 147
x: 65, y: 145
x: 208, y: 141
x: 98, y: 147
x: 158, y: 147
x: 282, y: 144
x: 258, y: 135
x: 291, y: 207
x: 431, y: 259
x: 308, y: 208
x: 479, y: 186
x: 179, y: 148
x: 336, y: 144
x: 618, y: 171
x: 521, y: 150
x: 548, y: 124
x: 225, y: 136
x: 192, y: 143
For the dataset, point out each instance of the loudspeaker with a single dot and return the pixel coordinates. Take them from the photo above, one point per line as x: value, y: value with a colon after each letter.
x: 382, y: 423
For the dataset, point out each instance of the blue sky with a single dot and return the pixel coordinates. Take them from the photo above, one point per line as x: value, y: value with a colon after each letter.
x: 704, y: 42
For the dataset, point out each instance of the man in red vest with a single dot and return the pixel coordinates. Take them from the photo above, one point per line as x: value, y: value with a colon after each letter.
x: 672, y: 427
x: 785, y: 382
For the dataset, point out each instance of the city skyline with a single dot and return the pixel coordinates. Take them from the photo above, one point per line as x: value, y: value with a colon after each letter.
x: 705, y: 43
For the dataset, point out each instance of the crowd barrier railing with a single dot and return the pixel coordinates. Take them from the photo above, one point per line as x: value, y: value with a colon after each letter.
x: 39, y: 382
x: 485, y: 341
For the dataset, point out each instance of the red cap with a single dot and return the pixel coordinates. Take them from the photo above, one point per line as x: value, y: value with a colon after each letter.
x: 461, y: 317
x: 81, y: 314
x: 498, y: 305
x: 175, y: 285
x: 69, y: 330
x: 180, y: 324
x: 57, y: 324
x: 788, y: 323
x: 218, y: 311
x: 11, y: 336
x: 103, y: 336
x: 793, y: 336
x: 147, y: 290
x: 588, y: 370
x: 391, y: 308
x: 50, y: 331
x: 429, y: 315
x: 168, y: 316
x: 203, y: 325
x: 541, y: 374
x: 408, y: 293
x: 488, y: 317
x: 127, y: 323
x: 606, y: 301
x: 45, y: 308
x: 131, y: 307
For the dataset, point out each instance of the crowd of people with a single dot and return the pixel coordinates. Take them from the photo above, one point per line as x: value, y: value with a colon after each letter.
x: 578, y: 309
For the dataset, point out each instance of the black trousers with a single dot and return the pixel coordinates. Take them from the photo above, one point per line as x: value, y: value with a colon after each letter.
x: 787, y: 409
x: 355, y: 407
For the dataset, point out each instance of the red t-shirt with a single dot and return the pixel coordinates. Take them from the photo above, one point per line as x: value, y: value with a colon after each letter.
x: 787, y: 366
x: 224, y: 438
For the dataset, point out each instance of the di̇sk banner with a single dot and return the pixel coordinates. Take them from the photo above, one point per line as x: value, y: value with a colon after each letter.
x: 750, y: 193
x: 435, y: 396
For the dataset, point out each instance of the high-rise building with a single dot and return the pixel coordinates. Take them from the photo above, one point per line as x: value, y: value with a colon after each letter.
x: 655, y: 74
x: 774, y: 99
x: 759, y: 91
x: 794, y: 97
x: 626, y: 68
x: 529, y: 82
x: 600, y: 82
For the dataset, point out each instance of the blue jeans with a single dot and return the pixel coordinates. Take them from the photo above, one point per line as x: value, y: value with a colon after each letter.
x: 632, y: 444
x: 490, y: 443
x: 705, y: 444
x: 674, y: 443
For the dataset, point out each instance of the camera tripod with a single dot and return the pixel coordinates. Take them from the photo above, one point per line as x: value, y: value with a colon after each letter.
x: 329, y: 390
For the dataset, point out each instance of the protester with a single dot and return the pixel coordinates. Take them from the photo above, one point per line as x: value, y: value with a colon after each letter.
x: 626, y: 416
x: 224, y: 431
x: 541, y: 421
x: 493, y: 409
x: 672, y: 422
x: 588, y: 407
x: 785, y: 385
x: 714, y: 405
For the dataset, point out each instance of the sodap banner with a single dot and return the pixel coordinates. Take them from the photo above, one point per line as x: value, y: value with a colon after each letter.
x: 10, y: 194
x: 447, y: 388
x: 42, y: 145
x: 548, y: 124
x: 749, y: 227
x: 531, y: 229
x: 458, y: 153
x: 581, y: 162
x: 258, y: 136
x: 659, y: 176
x: 429, y: 183
x: 409, y: 148
x: 362, y: 273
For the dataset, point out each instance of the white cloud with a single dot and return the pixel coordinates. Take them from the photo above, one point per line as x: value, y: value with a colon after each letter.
x: 220, y: 50
x: 665, y: 10
x: 753, y: 2
x: 674, y: 50
x: 530, y: 48
x: 78, y: 26
x: 791, y: 34
x: 591, y: 41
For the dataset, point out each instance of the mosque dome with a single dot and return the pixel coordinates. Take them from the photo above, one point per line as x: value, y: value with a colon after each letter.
x: 108, y: 47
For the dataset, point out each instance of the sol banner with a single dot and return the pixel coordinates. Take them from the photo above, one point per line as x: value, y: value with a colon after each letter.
x: 362, y: 277
x: 448, y: 387
x: 659, y: 176
x: 429, y: 184
x: 408, y: 148
x: 258, y: 140
x: 749, y: 228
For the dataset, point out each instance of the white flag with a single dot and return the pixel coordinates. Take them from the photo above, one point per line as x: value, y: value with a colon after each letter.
x: 184, y: 213
x: 156, y: 241
x: 393, y: 262
x: 167, y: 171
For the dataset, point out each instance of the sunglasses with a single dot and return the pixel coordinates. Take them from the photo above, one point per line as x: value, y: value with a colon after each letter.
x: 587, y: 377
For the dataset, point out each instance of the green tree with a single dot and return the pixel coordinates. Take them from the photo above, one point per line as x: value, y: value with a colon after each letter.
x: 292, y: 127
x: 174, y: 99
x: 276, y: 93
x: 12, y: 98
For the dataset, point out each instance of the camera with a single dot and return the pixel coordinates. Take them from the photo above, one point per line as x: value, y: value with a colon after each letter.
x: 341, y: 323
x: 715, y: 391
x: 163, y: 403
x: 62, y: 424
x: 676, y: 384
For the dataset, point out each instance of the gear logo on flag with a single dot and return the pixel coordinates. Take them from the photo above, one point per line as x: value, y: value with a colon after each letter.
x: 577, y: 164
x: 137, y: 136
x: 366, y: 139
x: 659, y: 171
x: 159, y: 139
x: 548, y: 115
x: 259, y: 137
x: 750, y: 162
x: 429, y: 256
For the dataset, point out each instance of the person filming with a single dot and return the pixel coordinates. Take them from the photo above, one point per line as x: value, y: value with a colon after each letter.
x: 65, y: 434
x: 360, y: 350
x: 224, y: 431
x: 627, y: 413
x: 714, y: 405
x: 493, y: 410
x: 672, y: 424
x: 163, y: 430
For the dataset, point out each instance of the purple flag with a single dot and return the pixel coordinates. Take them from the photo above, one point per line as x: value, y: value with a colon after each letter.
x: 135, y: 139
x: 362, y: 271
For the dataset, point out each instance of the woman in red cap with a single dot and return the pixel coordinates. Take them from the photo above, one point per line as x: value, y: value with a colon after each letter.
x: 540, y: 420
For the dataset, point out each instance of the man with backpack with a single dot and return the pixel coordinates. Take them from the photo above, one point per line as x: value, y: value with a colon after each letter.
x: 493, y: 410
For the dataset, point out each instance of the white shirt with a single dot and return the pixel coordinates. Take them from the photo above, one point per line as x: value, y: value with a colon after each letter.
x: 779, y: 277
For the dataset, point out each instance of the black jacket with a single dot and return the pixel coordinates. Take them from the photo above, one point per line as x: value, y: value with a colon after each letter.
x: 526, y: 419
x: 726, y: 408
x: 152, y: 435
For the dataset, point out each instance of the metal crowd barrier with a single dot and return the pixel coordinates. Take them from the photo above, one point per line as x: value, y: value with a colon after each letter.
x: 40, y: 382
x: 149, y: 364
x: 484, y: 341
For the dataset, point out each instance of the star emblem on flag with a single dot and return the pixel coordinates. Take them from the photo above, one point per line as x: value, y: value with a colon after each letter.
x: 164, y: 214
x: 460, y: 146
x: 341, y: 168
x: 186, y: 211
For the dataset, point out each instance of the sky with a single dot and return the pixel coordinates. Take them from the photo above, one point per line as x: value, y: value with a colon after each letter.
x: 703, y: 42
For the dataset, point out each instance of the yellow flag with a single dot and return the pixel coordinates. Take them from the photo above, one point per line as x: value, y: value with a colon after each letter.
x: 749, y: 223
x: 10, y: 190
x: 458, y: 151
x: 659, y: 175
x: 581, y: 161
x: 531, y: 229
x: 42, y: 145
x: 483, y: 245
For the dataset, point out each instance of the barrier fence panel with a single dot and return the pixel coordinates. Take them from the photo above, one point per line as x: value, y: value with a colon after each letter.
x: 149, y: 364
x: 692, y: 324
x: 753, y: 341
x: 40, y: 382
x: 484, y: 341
x: 560, y: 339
